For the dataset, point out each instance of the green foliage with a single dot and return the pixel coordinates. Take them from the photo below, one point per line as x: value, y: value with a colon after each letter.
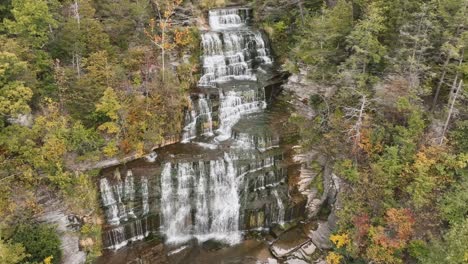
x: 451, y: 250
x: 14, y: 95
x: 454, y: 205
x: 11, y: 253
x: 346, y: 169
x: 32, y: 21
x: 321, y: 40
x: 40, y: 241
x: 460, y: 136
x: 367, y: 51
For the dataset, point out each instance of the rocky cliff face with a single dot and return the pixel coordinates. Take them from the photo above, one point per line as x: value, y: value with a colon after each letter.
x: 54, y: 212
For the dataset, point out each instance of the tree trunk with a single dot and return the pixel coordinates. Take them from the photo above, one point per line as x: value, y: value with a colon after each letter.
x: 439, y: 85
x: 447, y: 121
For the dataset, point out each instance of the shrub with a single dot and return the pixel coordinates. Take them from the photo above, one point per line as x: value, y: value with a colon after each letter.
x: 40, y: 241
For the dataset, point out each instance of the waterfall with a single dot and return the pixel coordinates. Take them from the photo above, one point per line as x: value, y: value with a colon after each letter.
x: 198, y: 116
x: 228, y: 18
x: 118, y: 200
x: 216, y: 205
x: 189, y: 131
x: 227, y: 176
x: 109, y: 202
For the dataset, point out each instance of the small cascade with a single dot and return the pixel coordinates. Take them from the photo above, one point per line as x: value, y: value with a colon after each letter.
x: 109, y: 202
x: 233, y: 106
x: 261, y: 143
x: 205, y: 111
x: 129, y: 193
x: 144, y: 195
x: 189, y: 131
x: 119, y: 199
x: 232, y: 51
x: 228, y: 18
x: 120, y: 236
x: 280, y: 215
x: 198, y: 119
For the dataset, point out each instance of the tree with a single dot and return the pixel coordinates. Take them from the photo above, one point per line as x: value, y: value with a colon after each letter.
x: 453, y: 20
x: 99, y: 74
x: 81, y: 34
x: 14, y: 95
x: 11, y: 253
x: 367, y: 51
x: 40, y: 242
x: 321, y: 40
x: 415, y: 44
x: 159, y: 35
x: 359, y: 115
x: 109, y: 106
x: 32, y: 22
x: 452, y: 249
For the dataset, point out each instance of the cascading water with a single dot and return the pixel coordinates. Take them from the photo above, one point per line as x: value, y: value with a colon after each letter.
x: 215, y: 206
x: 228, y: 175
x: 232, y: 50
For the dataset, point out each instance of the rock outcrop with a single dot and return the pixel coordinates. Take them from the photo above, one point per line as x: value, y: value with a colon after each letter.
x: 67, y: 225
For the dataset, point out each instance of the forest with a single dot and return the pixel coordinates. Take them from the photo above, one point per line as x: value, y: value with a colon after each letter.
x: 83, y: 81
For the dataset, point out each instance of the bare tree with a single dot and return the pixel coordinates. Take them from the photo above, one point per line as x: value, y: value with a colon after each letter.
x: 357, y: 114
x: 158, y: 34
x: 456, y: 92
x: 76, y: 60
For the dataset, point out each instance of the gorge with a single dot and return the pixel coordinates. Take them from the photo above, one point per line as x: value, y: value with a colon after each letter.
x: 232, y: 172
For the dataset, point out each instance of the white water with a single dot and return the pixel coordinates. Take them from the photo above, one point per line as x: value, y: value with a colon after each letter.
x: 144, y: 195
x: 232, y: 48
x: 233, y: 106
x: 118, y: 200
x: 221, y: 19
x: 202, y: 198
x: 216, y: 207
x: 205, y: 112
x: 280, y: 218
x: 200, y: 114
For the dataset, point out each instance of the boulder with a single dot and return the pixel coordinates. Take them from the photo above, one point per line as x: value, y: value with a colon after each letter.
x: 295, y: 261
x: 321, y: 236
x: 25, y: 120
x: 288, y: 243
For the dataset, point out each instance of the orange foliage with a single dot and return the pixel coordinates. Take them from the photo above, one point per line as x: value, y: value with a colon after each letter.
x: 362, y: 225
x: 401, y: 221
x: 182, y: 37
x: 366, y: 144
x: 398, y: 229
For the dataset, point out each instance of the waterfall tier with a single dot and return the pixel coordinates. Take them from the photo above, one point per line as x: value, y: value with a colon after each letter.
x: 232, y: 51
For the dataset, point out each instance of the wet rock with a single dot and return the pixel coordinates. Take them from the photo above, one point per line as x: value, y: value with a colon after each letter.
x: 308, y: 248
x: 272, y: 261
x: 321, y: 236
x: 296, y: 261
x: 276, y: 231
x: 288, y: 242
